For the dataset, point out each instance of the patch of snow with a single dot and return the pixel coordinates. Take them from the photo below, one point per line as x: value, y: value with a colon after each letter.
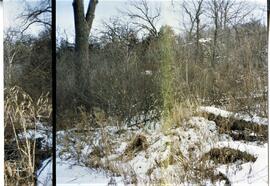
x: 31, y: 134
x: 121, y: 148
x: 248, y: 173
x: 44, y: 134
x: 44, y: 174
x: 224, y: 113
x: 205, y: 40
x: 69, y: 173
x: 148, y: 72
x: 41, y: 132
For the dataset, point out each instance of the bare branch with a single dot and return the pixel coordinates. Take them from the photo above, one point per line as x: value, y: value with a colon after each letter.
x: 143, y: 18
x: 39, y: 14
x: 91, y: 12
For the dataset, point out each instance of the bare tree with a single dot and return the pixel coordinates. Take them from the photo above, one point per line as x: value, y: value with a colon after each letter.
x: 10, y: 53
x: 142, y: 16
x: 225, y: 13
x: 117, y: 30
x: 194, y: 10
x: 16, y: 50
x: 39, y: 14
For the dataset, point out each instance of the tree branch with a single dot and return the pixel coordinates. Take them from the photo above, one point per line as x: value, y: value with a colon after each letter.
x: 91, y: 12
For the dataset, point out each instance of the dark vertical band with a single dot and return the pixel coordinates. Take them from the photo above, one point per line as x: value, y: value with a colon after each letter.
x: 268, y: 34
x: 54, y: 91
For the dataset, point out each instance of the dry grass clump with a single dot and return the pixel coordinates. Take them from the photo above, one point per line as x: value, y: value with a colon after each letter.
x: 181, y: 111
x: 137, y: 144
x: 196, y: 171
x: 94, y: 158
x: 21, y: 114
x: 244, y: 128
x: 81, y: 117
x: 78, y: 117
x: 227, y: 155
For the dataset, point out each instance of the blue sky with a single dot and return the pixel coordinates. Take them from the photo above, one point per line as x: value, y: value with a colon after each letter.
x: 105, y: 9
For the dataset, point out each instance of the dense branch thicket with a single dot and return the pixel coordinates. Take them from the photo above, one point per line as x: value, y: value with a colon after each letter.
x: 125, y: 78
x: 130, y: 76
x: 28, y: 62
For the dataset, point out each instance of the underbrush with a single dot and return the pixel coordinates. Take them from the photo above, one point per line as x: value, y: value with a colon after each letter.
x: 22, y: 113
x: 227, y: 155
x: 239, y: 129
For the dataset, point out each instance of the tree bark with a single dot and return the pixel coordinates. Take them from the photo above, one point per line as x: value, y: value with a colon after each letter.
x: 83, y: 25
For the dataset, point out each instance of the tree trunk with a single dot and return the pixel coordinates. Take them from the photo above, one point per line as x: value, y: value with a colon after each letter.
x: 197, y: 50
x: 81, y: 37
x: 214, y: 47
x: 83, y: 25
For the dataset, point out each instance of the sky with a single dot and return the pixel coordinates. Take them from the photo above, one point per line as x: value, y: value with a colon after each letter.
x: 104, y: 10
x: 12, y: 11
x: 108, y: 8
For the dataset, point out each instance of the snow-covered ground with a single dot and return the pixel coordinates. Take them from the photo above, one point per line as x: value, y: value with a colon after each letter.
x: 44, y: 174
x: 41, y: 132
x: 190, y: 142
x: 248, y: 173
x: 245, y: 117
x: 70, y: 174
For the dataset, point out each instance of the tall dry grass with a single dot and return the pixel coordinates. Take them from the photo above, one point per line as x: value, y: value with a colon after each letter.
x: 21, y: 114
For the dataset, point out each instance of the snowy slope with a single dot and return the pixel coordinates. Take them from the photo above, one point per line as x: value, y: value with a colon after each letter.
x: 197, y: 135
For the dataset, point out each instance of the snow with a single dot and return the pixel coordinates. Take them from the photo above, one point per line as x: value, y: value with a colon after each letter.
x: 148, y: 72
x: 205, y: 40
x: 68, y: 173
x: 197, y: 130
x: 248, y: 173
x: 44, y: 133
x: 41, y: 132
x: 31, y: 134
x: 197, y: 133
x: 44, y: 174
x: 224, y: 113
